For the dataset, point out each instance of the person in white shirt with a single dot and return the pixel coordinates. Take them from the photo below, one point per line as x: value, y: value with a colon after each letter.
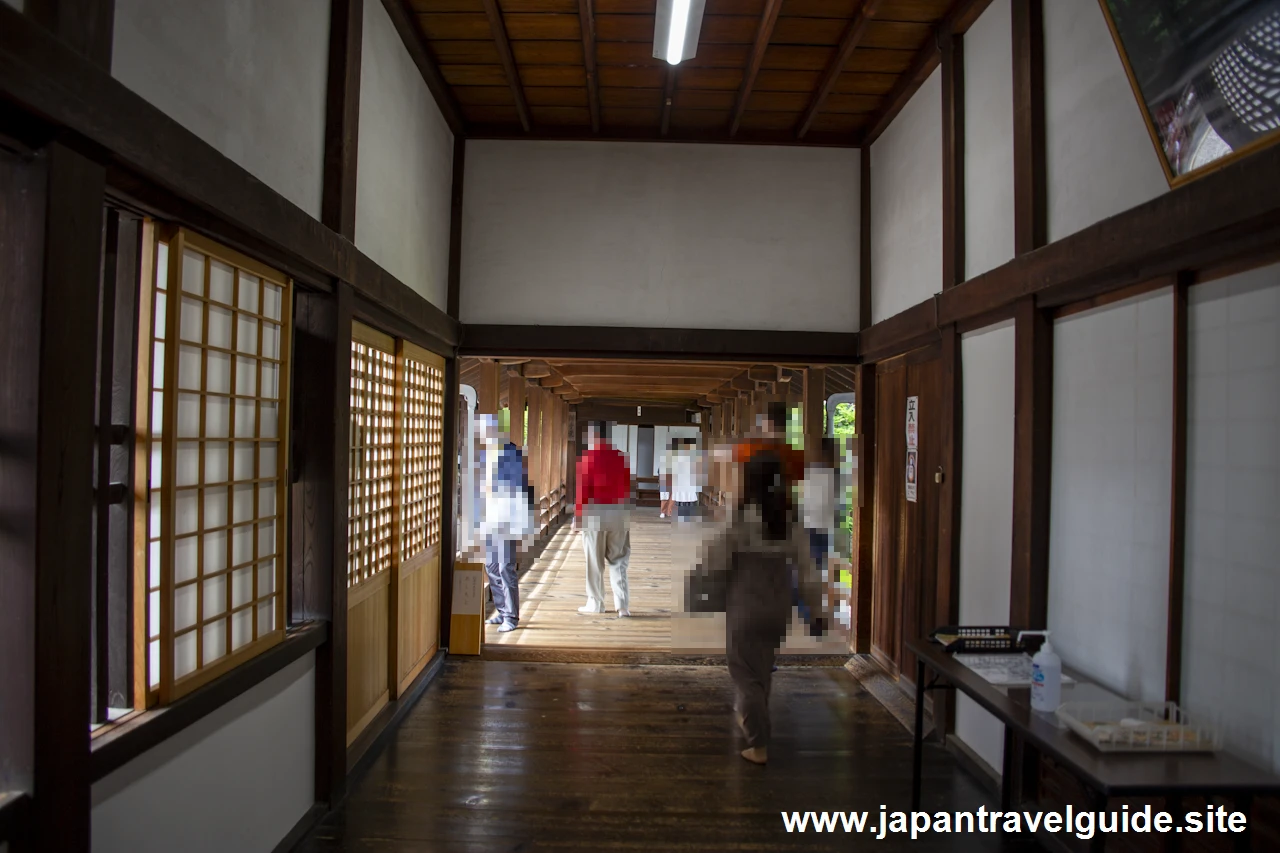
x: 686, y: 476
x: 818, y: 500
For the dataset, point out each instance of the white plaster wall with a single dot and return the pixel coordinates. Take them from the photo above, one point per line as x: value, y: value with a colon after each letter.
x: 1110, y: 492
x: 1231, y: 660
x: 1099, y: 156
x: 247, y: 77
x: 665, y: 235
x: 986, y: 508
x: 404, y: 165
x: 906, y: 205
x: 988, y: 143
x: 239, y: 779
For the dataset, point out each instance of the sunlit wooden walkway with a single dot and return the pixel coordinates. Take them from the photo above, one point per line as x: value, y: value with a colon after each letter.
x: 553, y: 588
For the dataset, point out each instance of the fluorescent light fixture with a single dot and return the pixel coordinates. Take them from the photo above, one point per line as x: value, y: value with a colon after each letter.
x: 676, y: 28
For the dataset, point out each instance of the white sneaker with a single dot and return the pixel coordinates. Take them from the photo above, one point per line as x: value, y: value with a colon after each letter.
x: 591, y: 611
x: 624, y: 613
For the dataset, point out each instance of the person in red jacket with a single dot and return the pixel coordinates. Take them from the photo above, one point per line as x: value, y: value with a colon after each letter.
x: 603, y: 514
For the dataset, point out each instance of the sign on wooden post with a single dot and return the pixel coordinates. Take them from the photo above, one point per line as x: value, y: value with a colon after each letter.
x: 913, y: 433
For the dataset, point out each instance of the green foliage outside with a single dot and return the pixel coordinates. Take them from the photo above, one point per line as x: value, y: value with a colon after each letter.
x: 844, y: 427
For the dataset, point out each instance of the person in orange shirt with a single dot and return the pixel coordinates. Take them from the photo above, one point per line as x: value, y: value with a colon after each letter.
x: 772, y: 437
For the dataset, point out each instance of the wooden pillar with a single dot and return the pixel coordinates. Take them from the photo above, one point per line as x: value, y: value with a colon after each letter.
x: 342, y: 117
x: 534, y: 449
x: 453, y: 300
x: 449, y: 513
x: 1178, y: 494
x: 64, y: 498
x: 947, y: 609
x: 952, y: 159
x: 864, y: 513
x: 488, y: 390
x: 815, y: 394
x: 1030, y: 205
x: 515, y: 402
x: 1032, y: 446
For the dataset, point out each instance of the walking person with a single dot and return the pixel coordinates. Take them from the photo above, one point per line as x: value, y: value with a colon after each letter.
x: 818, y: 510
x: 686, y: 479
x: 753, y: 558
x: 603, y: 516
x: 668, y: 506
x: 507, y: 521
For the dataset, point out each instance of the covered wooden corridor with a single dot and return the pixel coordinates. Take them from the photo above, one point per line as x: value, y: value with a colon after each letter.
x: 551, y: 590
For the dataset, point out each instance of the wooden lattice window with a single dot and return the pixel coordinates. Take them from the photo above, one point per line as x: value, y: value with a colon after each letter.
x: 369, y: 501
x: 422, y: 440
x: 215, y: 477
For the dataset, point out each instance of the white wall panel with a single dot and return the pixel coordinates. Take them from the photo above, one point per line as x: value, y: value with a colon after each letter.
x: 664, y: 235
x: 1099, y: 156
x: 404, y: 168
x: 906, y: 205
x: 986, y: 508
x: 247, y: 77
x: 239, y: 779
x: 988, y: 142
x: 1231, y: 661
x: 1110, y: 492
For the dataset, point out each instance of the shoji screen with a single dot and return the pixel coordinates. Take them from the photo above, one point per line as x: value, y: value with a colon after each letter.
x: 213, y: 568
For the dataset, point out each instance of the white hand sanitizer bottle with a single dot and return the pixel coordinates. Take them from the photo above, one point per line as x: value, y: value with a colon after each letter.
x: 1046, y: 675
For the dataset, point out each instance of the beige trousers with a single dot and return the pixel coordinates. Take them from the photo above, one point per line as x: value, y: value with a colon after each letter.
x: 606, y: 540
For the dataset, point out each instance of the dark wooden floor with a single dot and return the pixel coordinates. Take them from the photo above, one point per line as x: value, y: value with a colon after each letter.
x: 506, y: 756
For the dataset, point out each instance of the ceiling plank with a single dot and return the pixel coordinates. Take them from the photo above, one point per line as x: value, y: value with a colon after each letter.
x: 854, y: 34
x: 768, y: 19
x: 499, y: 30
x: 587, y: 22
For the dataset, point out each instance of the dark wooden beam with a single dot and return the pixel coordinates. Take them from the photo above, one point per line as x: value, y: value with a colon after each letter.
x: 764, y: 34
x: 653, y: 343
x: 416, y: 43
x: 1178, y: 494
x: 1030, y: 184
x: 64, y: 498
x: 342, y: 117
x: 1211, y: 221
x: 103, y: 118
x: 454, y: 300
x: 926, y: 59
x: 1032, y: 464
x: 668, y: 94
x: 587, y: 23
x: 618, y: 133
x: 449, y: 504
x: 84, y: 25
x: 853, y: 35
x: 864, y: 239
x: 499, y: 30
x: 952, y: 159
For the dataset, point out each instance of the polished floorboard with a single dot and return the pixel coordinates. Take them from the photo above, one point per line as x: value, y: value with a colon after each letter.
x: 511, y: 756
x: 662, y: 552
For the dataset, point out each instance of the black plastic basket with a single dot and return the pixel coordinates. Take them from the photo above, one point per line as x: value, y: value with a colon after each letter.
x: 980, y: 639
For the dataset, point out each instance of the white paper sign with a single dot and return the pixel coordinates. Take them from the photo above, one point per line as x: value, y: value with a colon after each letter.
x: 468, y: 591
x: 913, y: 439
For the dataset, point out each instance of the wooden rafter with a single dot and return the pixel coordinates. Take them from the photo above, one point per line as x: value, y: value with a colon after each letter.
x: 957, y: 22
x: 853, y: 34
x: 587, y: 22
x: 499, y: 30
x: 768, y: 18
x: 416, y: 43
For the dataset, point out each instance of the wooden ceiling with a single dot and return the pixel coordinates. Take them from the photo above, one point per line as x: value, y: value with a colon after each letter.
x: 820, y: 72
x: 656, y: 382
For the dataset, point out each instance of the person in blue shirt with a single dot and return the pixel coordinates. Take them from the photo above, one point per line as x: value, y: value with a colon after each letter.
x: 507, y: 520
